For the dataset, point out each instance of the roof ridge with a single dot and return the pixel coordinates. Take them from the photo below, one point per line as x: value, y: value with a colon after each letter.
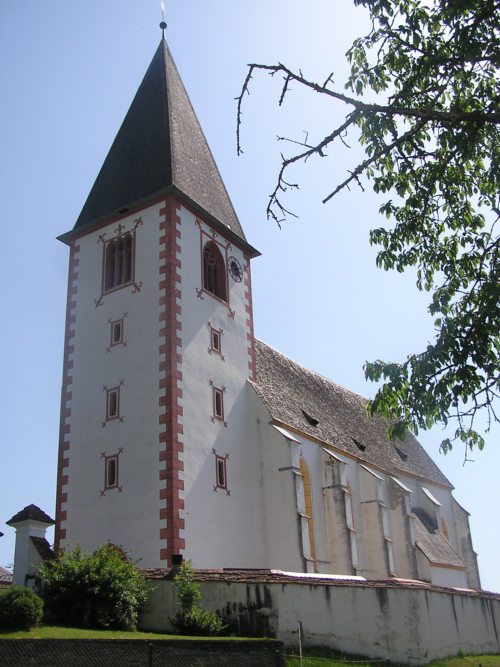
x: 339, y: 416
x: 311, y: 372
x: 171, y: 61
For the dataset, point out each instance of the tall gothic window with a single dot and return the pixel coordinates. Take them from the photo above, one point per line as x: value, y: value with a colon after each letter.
x: 214, y: 271
x: 118, y: 262
x: 304, y: 470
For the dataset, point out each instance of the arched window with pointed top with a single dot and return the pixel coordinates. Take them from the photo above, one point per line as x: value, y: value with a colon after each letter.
x: 304, y: 471
x: 214, y: 271
x: 118, y: 262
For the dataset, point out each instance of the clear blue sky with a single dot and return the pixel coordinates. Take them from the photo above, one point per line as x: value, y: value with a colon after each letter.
x: 69, y: 72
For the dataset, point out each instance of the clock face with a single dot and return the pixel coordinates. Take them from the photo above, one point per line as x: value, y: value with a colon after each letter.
x: 235, y: 269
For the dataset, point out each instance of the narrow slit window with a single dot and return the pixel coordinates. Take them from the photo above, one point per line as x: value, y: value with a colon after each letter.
x: 111, y: 472
x: 116, y: 332
x: 221, y: 472
x: 113, y: 403
x: 218, y: 403
x: 216, y: 340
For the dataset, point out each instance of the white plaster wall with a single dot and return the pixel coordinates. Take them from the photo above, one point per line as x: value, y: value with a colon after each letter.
x: 26, y: 557
x: 312, y: 454
x: 221, y: 530
x: 464, y: 539
x: 404, y: 556
x: 339, y: 554
x: 129, y: 518
x: 256, y: 524
x: 441, y: 576
x: 280, y: 520
x: 404, y: 625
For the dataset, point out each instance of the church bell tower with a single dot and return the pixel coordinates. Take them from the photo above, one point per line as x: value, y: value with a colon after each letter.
x: 158, y: 348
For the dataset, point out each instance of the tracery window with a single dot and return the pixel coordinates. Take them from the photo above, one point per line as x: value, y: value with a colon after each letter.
x: 304, y: 471
x: 118, y: 262
x: 214, y: 271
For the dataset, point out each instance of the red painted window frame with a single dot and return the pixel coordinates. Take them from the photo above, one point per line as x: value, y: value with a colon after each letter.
x: 218, y: 391
x: 113, y: 458
x: 216, y: 333
x: 109, y: 416
x: 220, y: 464
x: 113, y: 323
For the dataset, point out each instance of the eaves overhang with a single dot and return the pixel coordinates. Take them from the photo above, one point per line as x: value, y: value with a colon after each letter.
x: 139, y: 204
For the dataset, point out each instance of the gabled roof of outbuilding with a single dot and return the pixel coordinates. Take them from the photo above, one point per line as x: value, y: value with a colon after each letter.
x: 160, y: 148
x: 322, y: 409
x: 43, y: 548
x: 5, y: 576
x: 33, y: 513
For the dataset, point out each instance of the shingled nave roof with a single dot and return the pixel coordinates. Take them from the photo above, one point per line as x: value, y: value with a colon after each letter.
x: 322, y: 409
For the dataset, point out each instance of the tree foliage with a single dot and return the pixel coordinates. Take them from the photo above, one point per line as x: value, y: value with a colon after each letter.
x: 99, y: 590
x: 20, y: 608
x: 431, y: 140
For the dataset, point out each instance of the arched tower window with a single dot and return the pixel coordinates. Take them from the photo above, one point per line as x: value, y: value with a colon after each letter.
x: 214, y: 271
x: 118, y: 260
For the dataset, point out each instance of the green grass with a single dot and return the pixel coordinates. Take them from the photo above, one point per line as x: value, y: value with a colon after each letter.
x: 318, y: 662
x: 62, y: 632
x: 467, y: 661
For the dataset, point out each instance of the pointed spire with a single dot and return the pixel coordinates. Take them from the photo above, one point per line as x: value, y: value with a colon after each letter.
x: 160, y: 148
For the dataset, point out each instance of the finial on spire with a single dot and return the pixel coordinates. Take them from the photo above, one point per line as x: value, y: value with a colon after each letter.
x: 163, y: 25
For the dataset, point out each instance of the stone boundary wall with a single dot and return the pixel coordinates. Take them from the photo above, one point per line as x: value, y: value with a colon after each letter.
x: 139, y: 653
x: 396, y: 620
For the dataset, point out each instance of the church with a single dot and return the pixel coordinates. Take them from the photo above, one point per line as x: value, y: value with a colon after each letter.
x: 181, y: 434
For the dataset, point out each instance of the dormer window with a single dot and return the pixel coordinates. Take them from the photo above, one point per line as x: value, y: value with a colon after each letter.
x: 402, y: 455
x: 118, y: 262
x: 358, y: 444
x: 214, y: 271
x: 310, y: 419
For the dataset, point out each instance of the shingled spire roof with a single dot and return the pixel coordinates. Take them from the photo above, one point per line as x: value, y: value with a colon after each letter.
x: 160, y: 148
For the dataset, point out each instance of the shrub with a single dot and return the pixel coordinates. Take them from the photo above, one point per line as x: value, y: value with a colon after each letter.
x: 199, y: 621
x: 187, y: 590
x: 99, y: 590
x: 191, y: 619
x: 20, y: 608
